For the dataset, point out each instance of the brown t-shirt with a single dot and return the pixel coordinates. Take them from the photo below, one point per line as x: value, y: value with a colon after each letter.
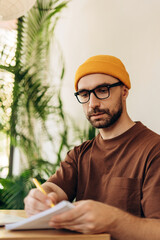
x: 123, y: 172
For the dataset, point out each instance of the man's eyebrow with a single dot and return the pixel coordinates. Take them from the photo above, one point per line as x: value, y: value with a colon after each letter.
x: 101, y: 85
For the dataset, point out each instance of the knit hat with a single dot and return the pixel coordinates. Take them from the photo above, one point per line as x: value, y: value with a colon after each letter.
x: 103, y: 64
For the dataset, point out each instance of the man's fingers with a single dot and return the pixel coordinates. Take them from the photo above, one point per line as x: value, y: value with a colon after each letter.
x: 36, y: 202
x: 83, y: 218
x: 30, y: 212
x: 66, y: 222
x: 75, y: 216
x: 79, y: 202
x: 80, y: 210
x: 67, y: 216
x: 41, y: 197
x: 37, y: 194
x: 53, y: 197
x: 34, y: 207
x: 78, y: 225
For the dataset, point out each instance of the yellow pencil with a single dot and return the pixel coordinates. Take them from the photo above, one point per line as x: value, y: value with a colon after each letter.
x: 35, y: 181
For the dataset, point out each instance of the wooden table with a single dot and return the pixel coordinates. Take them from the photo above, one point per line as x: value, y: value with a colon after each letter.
x: 45, y: 234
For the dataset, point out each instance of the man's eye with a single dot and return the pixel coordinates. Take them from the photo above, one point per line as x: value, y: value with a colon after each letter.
x: 83, y: 94
x: 102, y: 90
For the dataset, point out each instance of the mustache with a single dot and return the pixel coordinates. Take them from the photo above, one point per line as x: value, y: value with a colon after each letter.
x: 94, y: 111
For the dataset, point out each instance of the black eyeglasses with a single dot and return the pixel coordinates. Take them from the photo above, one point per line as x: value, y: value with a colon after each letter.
x: 101, y: 92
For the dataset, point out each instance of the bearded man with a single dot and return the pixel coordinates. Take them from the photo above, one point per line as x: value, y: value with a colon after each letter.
x: 115, y: 177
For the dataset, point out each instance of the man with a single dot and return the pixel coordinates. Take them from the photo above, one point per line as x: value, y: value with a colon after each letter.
x: 116, y: 175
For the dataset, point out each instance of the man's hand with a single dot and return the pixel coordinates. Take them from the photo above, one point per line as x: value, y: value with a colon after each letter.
x: 94, y: 217
x: 87, y: 217
x: 36, y: 201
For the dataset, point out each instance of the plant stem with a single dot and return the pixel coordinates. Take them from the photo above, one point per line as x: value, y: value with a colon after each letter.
x: 13, y: 118
x: 10, y: 173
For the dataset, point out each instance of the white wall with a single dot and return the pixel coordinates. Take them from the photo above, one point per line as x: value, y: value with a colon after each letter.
x: 126, y: 29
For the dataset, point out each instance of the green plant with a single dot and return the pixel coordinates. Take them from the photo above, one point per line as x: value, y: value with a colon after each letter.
x: 14, y: 189
x: 32, y: 95
x: 33, y: 101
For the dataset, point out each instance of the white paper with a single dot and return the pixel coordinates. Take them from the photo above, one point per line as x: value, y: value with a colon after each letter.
x: 8, y: 218
x: 40, y: 220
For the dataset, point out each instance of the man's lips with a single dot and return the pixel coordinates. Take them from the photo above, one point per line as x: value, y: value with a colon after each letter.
x: 96, y: 114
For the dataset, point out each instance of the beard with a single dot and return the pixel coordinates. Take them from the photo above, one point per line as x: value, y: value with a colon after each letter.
x: 105, y: 121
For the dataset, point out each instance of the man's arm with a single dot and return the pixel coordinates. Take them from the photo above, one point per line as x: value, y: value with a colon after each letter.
x: 95, y: 217
x: 134, y: 228
x: 36, y: 201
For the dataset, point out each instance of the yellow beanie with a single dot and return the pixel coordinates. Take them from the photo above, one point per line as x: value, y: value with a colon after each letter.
x: 103, y: 64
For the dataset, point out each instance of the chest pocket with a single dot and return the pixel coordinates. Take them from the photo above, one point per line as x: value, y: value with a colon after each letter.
x: 125, y: 193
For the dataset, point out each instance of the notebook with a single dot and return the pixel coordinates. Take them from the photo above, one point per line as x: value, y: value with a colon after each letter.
x: 8, y: 218
x: 40, y: 220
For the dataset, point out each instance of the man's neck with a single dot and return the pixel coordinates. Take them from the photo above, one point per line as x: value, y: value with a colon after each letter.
x: 122, y: 125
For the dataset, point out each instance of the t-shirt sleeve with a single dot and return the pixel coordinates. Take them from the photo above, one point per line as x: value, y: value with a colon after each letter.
x: 66, y: 175
x: 151, y: 186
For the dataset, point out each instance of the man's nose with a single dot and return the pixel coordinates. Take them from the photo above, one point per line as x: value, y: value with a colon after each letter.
x: 93, y: 101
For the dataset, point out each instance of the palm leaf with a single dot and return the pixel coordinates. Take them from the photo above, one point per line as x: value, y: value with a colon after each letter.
x: 31, y: 93
x: 16, y: 188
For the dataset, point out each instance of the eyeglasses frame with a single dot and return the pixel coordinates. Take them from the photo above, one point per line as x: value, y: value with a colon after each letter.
x: 93, y: 91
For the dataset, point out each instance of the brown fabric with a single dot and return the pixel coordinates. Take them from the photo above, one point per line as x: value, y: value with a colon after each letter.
x: 123, y: 172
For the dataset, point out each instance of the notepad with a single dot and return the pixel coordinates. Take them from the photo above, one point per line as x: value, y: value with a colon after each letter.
x: 8, y: 218
x: 40, y: 220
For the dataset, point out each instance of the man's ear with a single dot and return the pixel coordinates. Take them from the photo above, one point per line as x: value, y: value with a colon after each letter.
x: 125, y: 92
